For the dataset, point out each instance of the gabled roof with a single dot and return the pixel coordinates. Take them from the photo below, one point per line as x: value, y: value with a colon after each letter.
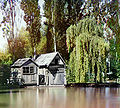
x: 46, y: 59
x: 21, y: 62
x: 42, y: 60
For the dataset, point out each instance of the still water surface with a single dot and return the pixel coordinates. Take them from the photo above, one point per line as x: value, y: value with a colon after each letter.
x: 60, y: 97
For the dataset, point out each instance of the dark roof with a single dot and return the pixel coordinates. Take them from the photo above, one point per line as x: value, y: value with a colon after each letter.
x: 42, y: 60
x: 46, y: 59
x: 21, y: 62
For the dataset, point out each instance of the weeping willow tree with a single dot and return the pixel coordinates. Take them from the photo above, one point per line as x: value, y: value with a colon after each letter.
x: 88, y: 51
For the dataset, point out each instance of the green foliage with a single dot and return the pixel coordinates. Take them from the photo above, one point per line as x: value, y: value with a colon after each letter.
x: 41, y: 47
x: 33, y: 19
x: 87, y: 25
x: 17, y: 48
x: 114, y: 61
x: 24, y: 37
x: 113, y: 24
x: 5, y: 62
x: 48, y: 25
x: 71, y: 68
x: 4, y: 73
x: 73, y: 11
x: 108, y: 14
x: 65, y: 13
x: 88, y: 51
x: 20, y: 47
x: 5, y: 58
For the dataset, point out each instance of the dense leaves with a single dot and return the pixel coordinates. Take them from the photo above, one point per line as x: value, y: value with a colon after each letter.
x: 48, y: 25
x: 17, y: 47
x: 5, y: 62
x: 88, y: 52
x: 4, y: 74
x: 65, y: 13
x: 33, y: 19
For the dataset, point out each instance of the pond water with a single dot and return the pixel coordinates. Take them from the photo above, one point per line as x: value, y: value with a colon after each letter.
x: 60, y: 97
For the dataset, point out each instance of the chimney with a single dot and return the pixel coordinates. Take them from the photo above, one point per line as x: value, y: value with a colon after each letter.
x: 34, y: 57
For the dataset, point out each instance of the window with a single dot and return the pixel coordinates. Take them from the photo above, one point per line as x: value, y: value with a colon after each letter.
x: 28, y: 70
x: 25, y: 69
x: 56, y: 61
x: 31, y: 70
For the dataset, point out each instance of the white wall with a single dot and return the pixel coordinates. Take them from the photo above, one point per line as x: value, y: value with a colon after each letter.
x: 30, y: 78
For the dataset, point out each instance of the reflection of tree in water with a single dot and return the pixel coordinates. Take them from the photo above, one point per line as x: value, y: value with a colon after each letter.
x: 4, y: 105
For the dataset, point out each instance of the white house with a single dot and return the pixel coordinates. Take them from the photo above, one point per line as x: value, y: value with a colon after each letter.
x: 45, y: 69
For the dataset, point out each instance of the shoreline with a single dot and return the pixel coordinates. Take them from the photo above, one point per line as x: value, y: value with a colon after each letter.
x: 93, y: 85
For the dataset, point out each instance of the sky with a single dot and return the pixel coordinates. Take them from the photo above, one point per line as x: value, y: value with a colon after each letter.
x: 3, y: 41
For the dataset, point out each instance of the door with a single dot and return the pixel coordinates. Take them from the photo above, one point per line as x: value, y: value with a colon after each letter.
x: 41, y: 79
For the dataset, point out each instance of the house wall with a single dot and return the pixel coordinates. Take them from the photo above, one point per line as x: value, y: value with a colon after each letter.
x: 57, y: 74
x: 57, y: 77
x: 54, y: 74
x: 45, y: 72
x: 30, y: 78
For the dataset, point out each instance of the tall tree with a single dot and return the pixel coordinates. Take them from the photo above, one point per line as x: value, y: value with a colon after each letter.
x: 20, y: 45
x: 60, y: 27
x: 88, y: 52
x: 113, y: 24
x: 107, y: 13
x: 48, y: 25
x: 11, y: 16
x: 65, y: 13
x: 32, y: 18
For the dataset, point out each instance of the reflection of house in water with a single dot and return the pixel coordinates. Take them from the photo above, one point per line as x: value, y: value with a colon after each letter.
x: 45, y: 69
x: 49, y: 97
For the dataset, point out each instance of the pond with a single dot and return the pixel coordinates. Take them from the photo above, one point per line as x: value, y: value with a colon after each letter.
x: 60, y: 97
